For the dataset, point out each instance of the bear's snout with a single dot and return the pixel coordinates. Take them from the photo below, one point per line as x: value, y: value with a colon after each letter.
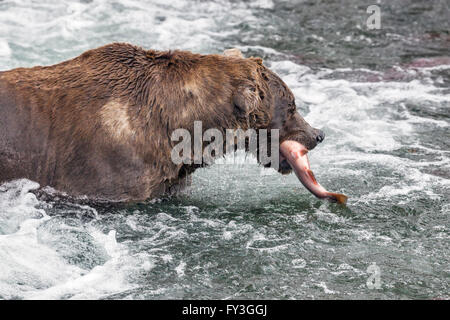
x: 320, y: 136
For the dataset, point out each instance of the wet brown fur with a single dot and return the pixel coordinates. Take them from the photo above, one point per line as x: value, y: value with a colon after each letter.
x: 100, y: 124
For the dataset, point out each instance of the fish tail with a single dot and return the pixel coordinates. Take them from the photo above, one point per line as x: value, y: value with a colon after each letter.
x: 337, y: 197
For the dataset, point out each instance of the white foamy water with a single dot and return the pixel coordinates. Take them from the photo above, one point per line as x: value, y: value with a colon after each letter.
x: 52, y: 258
x: 241, y: 231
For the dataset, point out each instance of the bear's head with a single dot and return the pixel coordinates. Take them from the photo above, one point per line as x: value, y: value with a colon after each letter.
x: 266, y: 102
x: 216, y: 93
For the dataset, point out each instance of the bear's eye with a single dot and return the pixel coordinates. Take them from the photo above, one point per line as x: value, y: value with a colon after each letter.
x: 292, y: 108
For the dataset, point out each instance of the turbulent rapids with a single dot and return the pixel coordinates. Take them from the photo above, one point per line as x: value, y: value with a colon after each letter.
x: 242, y: 231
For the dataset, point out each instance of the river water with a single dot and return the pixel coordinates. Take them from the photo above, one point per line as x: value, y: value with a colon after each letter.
x: 381, y: 96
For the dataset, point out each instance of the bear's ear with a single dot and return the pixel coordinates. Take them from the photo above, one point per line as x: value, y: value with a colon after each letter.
x: 257, y: 60
x: 235, y: 52
x: 245, y: 100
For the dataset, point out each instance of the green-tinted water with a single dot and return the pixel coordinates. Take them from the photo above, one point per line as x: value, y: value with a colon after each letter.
x: 241, y: 231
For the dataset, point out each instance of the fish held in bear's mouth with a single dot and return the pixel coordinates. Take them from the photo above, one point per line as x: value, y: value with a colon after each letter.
x: 295, y: 154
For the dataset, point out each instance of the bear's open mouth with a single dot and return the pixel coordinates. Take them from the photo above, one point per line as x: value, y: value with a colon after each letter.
x: 285, y: 167
x: 295, y: 154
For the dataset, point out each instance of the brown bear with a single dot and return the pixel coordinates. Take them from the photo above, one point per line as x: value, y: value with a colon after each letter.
x: 100, y: 124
